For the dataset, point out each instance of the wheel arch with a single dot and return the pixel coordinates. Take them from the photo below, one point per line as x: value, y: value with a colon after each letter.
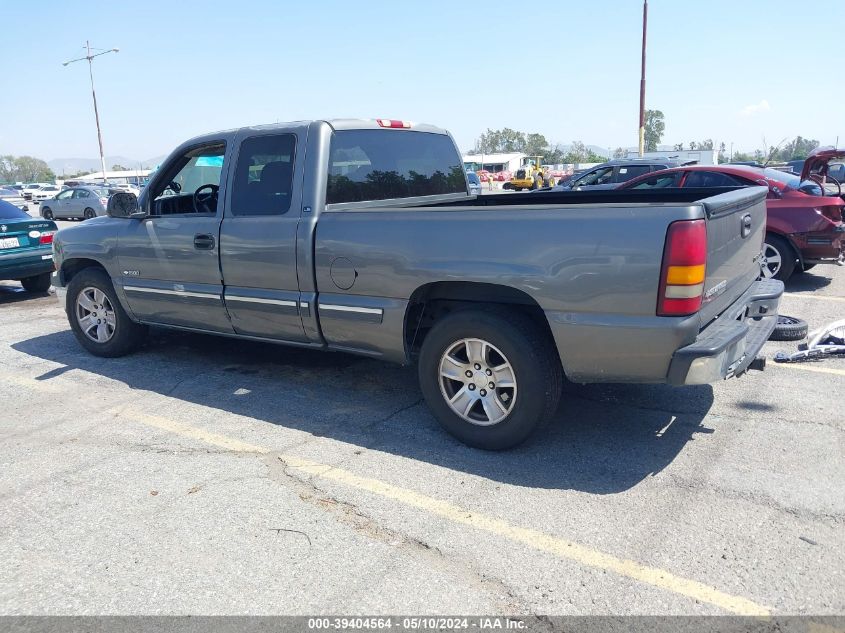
x: 788, y: 239
x: 73, y: 266
x: 432, y: 301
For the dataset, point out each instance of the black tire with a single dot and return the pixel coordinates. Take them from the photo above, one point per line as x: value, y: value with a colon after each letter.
x: 47, y: 213
x: 788, y: 257
x: 127, y: 335
x: 38, y: 283
x: 789, y: 329
x: 88, y: 214
x: 536, y: 370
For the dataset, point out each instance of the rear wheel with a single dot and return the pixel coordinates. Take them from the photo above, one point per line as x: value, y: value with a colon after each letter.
x: 47, y: 213
x: 96, y: 317
x: 778, y: 258
x: 89, y: 213
x: 38, y: 283
x: 490, y: 377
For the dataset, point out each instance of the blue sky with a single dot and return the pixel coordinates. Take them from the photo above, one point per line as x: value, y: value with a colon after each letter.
x: 734, y: 71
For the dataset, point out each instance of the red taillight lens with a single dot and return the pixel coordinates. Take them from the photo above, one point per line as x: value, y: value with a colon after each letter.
x: 393, y: 123
x: 684, y: 269
x: 46, y: 238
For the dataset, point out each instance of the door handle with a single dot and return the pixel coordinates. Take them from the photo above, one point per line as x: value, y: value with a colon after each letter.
x: 746, y: 225
x: 203, y: 241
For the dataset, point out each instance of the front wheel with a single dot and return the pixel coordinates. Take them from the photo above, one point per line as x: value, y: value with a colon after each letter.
x: 96, y: 317
x: 778, y: 258
x: 490, y: 377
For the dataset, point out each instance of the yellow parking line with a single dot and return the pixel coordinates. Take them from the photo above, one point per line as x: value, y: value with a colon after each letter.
x: 808, y: 367
x: 30, y: 383
x: 535, y: 539
x: 799, y: 295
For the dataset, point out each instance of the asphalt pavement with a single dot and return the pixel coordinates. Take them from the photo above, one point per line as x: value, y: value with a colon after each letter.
x: 206, y: 475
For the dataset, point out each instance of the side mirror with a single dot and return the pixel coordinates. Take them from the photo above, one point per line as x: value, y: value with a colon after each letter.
x: 124, y: 205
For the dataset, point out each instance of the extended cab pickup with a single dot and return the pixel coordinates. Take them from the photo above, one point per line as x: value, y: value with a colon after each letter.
x: 361, y: 236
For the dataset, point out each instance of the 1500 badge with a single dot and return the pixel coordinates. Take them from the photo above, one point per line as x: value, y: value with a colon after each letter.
x: 719, y: 288
x: 132, y: 273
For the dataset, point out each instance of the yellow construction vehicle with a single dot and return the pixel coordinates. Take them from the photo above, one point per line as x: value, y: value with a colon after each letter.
x: 529, y: 176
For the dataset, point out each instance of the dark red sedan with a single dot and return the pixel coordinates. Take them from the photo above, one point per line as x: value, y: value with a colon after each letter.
x: 804, y: 227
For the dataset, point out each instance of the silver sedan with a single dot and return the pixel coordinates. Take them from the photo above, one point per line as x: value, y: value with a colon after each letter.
x: 77, y: 202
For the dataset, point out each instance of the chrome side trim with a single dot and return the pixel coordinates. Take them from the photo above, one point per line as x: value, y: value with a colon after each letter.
x: 178, y: 293
x: 339, y: 308
x: 277, y: 302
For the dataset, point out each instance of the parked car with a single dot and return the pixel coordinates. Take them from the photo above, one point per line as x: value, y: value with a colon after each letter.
x: 45, y: 192
x: 26, y: 248
x: 803, y: 227
x: 29, y: 189
x: 127, y: 187
x: 474, y: 183
x: 611, y: 174
x: 388, y: 256
x: 76, y: 202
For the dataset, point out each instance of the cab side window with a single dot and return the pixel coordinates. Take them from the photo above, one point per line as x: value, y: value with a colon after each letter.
x: 264, y: 175
x: 81, y: 193
x: 65, y: 195
x: 190, y: 183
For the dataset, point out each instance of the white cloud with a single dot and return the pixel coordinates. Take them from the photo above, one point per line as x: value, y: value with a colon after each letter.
x: 756, y: 108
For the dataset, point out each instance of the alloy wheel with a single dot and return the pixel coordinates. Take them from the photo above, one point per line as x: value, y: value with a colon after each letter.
x: 477, y: 381
x: 95, y: 314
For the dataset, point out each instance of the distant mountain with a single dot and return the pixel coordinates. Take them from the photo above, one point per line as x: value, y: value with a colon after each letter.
x: 75, y: 165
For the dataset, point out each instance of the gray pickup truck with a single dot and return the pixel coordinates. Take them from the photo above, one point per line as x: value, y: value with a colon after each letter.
x: 361, y: 236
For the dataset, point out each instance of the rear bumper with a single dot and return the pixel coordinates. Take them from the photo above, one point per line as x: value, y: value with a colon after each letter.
x: 40, y: 262
x: 727, y: 346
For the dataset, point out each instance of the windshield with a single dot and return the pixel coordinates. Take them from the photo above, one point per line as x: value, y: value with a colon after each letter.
x: 473, y: 178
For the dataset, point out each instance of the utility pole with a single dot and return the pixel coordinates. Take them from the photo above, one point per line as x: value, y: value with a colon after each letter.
x: 642, y: 81
x: 90, y: 59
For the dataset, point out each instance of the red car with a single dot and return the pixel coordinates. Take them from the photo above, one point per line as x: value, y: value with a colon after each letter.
x: 804, y: 227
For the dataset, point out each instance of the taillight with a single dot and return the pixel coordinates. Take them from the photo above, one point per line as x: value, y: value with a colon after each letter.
x: 684, y: 268
x: 46, y: 238
x: 393, y: 123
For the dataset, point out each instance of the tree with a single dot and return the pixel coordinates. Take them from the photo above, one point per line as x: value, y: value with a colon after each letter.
x: 654, y: 128
x: 119, y: 168
x: 24, y: 169
x: 722, y: 158
x: 620, y: 152
x: 536, y: 145
x: 679, y: 147
x: 505, y: 140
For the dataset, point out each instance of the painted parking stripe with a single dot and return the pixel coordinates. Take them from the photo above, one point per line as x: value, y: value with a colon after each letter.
x: 798, y: 295
x: 808, y: 367
x: 558, y: 547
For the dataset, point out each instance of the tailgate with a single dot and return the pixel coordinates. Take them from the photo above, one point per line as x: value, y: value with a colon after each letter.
x: 736, y: 226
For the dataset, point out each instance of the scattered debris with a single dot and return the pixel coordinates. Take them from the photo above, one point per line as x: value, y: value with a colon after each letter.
x: 154, y: 493
x: 193, y: 490
x: 827, y: 341
x: 280, y: 530
x: 808, y: 540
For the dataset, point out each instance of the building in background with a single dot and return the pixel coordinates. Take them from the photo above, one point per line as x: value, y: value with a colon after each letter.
x: 493, y: 162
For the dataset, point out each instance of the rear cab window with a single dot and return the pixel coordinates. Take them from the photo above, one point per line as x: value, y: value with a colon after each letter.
x: 369, y: 165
